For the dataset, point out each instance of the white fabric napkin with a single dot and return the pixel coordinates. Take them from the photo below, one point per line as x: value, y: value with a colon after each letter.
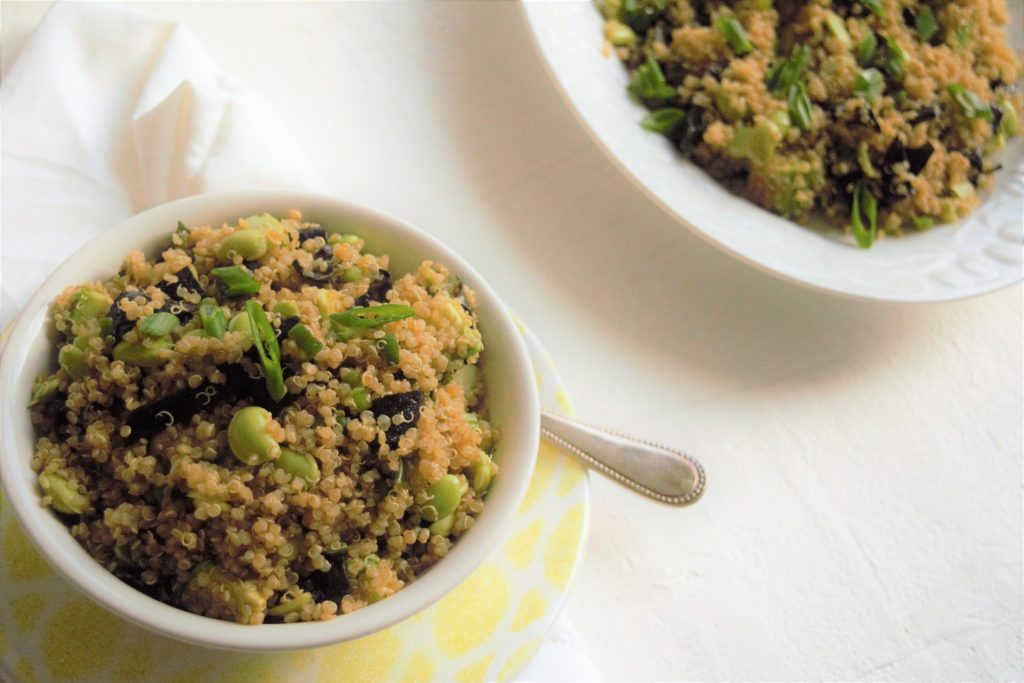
x: 110, y: 111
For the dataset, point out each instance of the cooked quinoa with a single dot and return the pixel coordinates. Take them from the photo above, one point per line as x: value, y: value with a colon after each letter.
x: 262, y: 424
x: 876, y: 114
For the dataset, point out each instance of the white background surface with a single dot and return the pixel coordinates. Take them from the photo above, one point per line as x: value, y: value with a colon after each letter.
x: 863, y: 517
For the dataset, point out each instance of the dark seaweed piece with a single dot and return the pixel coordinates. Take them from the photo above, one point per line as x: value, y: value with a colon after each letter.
x: 977, y: 165
x: 329, y: 585
x: 928, y: 113
x: 690, y: 133
x: 407, y: 403
x: 917, y: 157
x: 868, y: 117
x: 185, y: 279
x: 312, y: 275
x: 158, y: 591
x: 287, y: 324
x: 997, y: 118
x: 717, y: 68
x: 311, y: 233
x: 378, y: 290
x: 154, y: 417
x: 56, y: 411
x: 120, y: 322
x: 251, y: 264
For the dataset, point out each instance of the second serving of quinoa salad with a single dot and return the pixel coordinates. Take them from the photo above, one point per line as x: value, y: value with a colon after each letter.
x: 878, y: 115
x: 262, y: 423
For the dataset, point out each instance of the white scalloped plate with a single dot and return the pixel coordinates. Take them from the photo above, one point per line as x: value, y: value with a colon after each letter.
x: 977, y: 255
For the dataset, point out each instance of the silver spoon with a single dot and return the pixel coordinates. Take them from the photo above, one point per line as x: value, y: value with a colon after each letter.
x: 657, y: 472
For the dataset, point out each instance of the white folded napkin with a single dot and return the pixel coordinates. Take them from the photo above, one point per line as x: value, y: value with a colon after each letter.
x: 110, y: 111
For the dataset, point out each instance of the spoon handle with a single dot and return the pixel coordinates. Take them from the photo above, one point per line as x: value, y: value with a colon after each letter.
x: 665, y: 475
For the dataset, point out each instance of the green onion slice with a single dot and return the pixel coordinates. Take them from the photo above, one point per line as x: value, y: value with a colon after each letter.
x: 732, y: 29
x: 925, y: 24
x: 663, y: 120
x: 388, y: 346
x: 649, y: 82
x: 159, y: 324
x: 267, y: 348
x: 371, y: 316
x: 876, y: 7
x: 869, y: 84
x: 237, y: 280
x: 212, y: 318
x: 864, y: 206
x: 799, y: 106
x: 305, y: 340
x: 785, y: 74
x: 866, y: 48
x: 895, y: 60
x: 972, y: 106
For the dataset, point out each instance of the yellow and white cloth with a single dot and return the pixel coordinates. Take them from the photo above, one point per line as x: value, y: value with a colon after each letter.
x: 106, y: 113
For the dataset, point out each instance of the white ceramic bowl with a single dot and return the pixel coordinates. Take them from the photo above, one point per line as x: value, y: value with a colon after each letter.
x: 979, y: 254
x: 507, y: 372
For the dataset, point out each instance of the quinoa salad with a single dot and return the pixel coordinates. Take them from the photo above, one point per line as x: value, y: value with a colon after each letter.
x: 878, y: 115
x: 262, y: 423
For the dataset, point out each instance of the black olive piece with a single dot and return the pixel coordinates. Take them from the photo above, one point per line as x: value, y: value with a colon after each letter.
x: 928, y: 113
x: 288, y: 323
x: 251, y: 264
x: 917, y: 157
x: 324, y: 253
x: 120, y: 322
x: 311, y: 233
x: 329, y: 585
x: 311, y: 275
x: 687, y: 136
x: 997, y: 118
x: 158, y: 591
x: 185, y: 279
x: 378, y: 290
x: 407, y: 403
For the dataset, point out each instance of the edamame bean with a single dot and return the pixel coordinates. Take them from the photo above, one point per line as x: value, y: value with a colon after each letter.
x: 145, y: 353
x: 88, y: 303
x: 483, y: 471
x: 293, y: 605
x: 64, y: 495
x: 250, y: 244
x: 301, y: 465
x: 286, y: 309
x: 352, y: 274
x: 263, y: 221
x: 72, y: 360
x: 361, y: 397
x: 443, y: 527
x: 44, y: 389
x: 336, y: 238
x: 442, y: 498
x: 248, y: 437
x: 240, y: 323
x: 351, y: 377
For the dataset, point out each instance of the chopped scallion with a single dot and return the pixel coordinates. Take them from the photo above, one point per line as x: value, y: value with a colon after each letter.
x: 972, y: 106
x: 649, y: 82
x: 212, y: 318
x: 732, y: 29
x: 864, y: 206
x: 963, y: 34
x: 388, y: 346
x: 869, y: 84
x: 923, y: 222
x: 267, y: 348
x: 663, y: 120
x: 784, y: 74
x: 866, y: 48
x: 237, y: 280
x: 799, y: 106
x: 876, y: 7
x: 159, y: 324
x: 895, y: 60
x: 305, y: 340
x: 925, y: 24
x: 371, y: 316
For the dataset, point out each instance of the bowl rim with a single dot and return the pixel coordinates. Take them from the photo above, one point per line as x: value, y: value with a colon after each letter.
x: 520, y: 438
x: 531, y: 14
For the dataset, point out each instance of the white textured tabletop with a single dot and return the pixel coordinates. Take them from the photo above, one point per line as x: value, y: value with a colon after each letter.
x: 864, y: 511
